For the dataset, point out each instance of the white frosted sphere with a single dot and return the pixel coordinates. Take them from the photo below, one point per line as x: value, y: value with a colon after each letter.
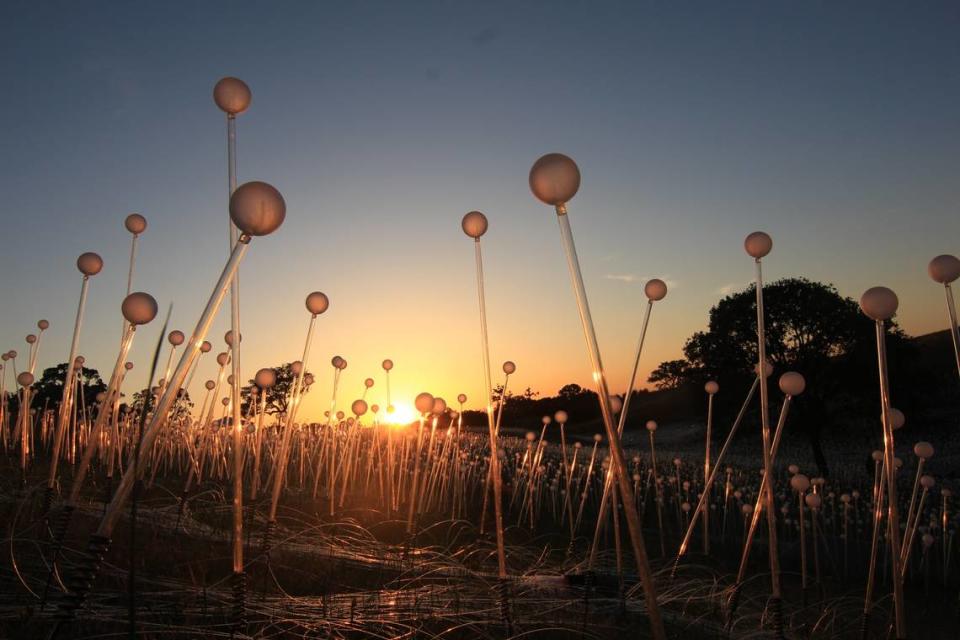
x: 927, y: 540
x: 232, y: 95
x: 792, y: 383
x: 616, y: 404
x: 711, y: 387
x: 209, y: 384
x: 257, y: 208
x: 176, y: 338
x: 296, y: 367
x: 222, y: 358
x: 43, y: 325
x: 813, y: 500
x: 651, y: 425
x: 767, y: 369
x: 793, y: 469
x: 25, y: 379
x: 747, y: 509
x: 474, y: 224
x: 368, y: 383
x: 879, y: 303
x: 655, y: 289
x: 923, y: 450
x: 897, y: 419
x: 509, y: 367
x: 359, y: 407
x: 135, y: 223
x: 800, y: 482
x: 545, y: 420
x: 462, y: 398
x: 944, y: 268
x: 554, y: 179
x: 139, y: 308
x: 337, y: 362
x: 439, y: 405
x: 375, y: 408
x: 228, y: 338
x: 531, y: 436
x: 758, y: 244
x: 265, y: 378
x: 424, y: 402
x: 89, y: 263
x: 126, y: 365
x: 206, y: 347
x: 877, y: 455
x: 308, y: 379
x: 317, y: 303
x: 387, y: 364
x: 561, y: 416
x: 927, y: 482
x: 31, y: 338
x: 597, y: 437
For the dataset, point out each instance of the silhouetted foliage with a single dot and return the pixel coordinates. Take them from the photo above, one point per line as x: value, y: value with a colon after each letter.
x: 278, y: 394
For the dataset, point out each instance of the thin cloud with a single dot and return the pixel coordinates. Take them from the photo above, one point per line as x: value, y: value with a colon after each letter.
x: 621, y: 277
x: 732, y: 287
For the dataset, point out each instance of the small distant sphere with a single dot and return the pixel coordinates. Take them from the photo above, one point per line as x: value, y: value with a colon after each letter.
x: 296, y: 367
x: 747, y: 509
x: 677, y: 462
x: 317, y: 303
x: 89, y: 263
x: 135, y: 223
x: 577, y: 445
x: 101, y: 396
x: 387, y: 364
x: 337, y: 362
x: 340, y: 415
x: 232, y: 95
x: 879, y: 303
x: 651, y: 425
x: 923, y: 450
x: 439, y: 405
x: 25, y: 379
x: 877, y: 455
x: 31, y: 338
x: 222, y: 358
x: 799, y: 482
x: 813, y: 500
x: 43, y: 325
x: 655, y: 289
x: 792, y: 383
x: 767, y: 368
x: 597, y: 437
x: 424, y: 403
x: 205, y: 347
x: 265, y: 378
x: 616, y: 404
x: 176, y: 338
x: 531, y: 436
x: 228, y: 338
x: 230, y: 379
x: 944, y: 268
x: 474, y: 224
x: 139, y: 308
x: 927, y: 482
x: 308, y: 379
x: 758, y: 244
x: 368, y: 383
x: 257, y: 208
x: 509, y: 367
x: 711, y: 387
x: 685, y: 507
x: 554, y: 179
x: 897, y: 419
x: 462, y: 398
x: 375, y: 408
x: 209, y: 384
x: 391, y: 408
x: 897, y: 462
x: 793, y: 469
x: 927, y: 540
x: 546, y: 420
x: 225, y: 401
x: 561, y: 416
x: 845, y: 498
x: 126, y: 365
x: 359, y: 407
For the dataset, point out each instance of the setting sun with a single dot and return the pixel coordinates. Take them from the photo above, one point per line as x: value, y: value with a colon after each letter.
x: 403, y: 414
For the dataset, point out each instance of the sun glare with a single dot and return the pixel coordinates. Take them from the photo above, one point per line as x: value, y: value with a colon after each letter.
x: 403, y: 414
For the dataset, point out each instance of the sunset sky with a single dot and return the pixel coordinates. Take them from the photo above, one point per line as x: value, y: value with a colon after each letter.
x: 833, y: 127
